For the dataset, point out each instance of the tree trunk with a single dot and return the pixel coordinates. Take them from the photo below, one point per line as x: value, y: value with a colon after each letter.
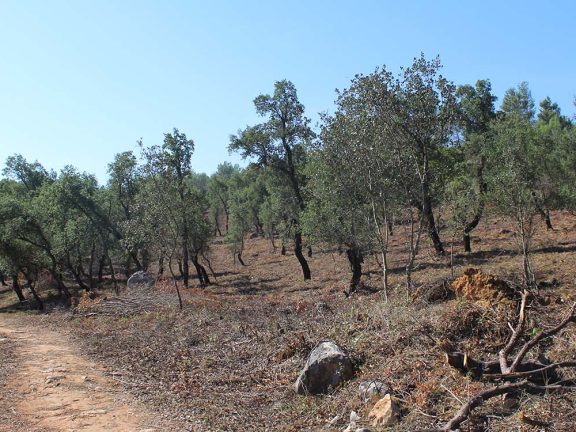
x: 145, y: 259
x: 309, y: 251
x: 17, y: 289
x: 113, y: 273
x: 217, y: 225
x: 101, y: 265
x: 300, y: 256
x: 200, y: 271
x: 175, y: 283
x: 204, y: 274
x: 548, y: 221
x: 355, y: 259
x: 545, y: 214
x: 62, y: 288
x: 76, y: 272
x: 91, y: 265
x: 542, y: 211
x: 2, y: 281
x: 39, y: 302
x: 134, y: 256
x: 283, y: 250
x: 161, y: 264
x: 482, y: 189
x: 128, y: 267
x: 79, y: 280
x: 431, y: 225
x: 467, y: 247
x: 427, y: 210
x: 185, y: 263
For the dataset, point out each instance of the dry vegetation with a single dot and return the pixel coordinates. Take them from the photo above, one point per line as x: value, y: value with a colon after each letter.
x: 228, y: 360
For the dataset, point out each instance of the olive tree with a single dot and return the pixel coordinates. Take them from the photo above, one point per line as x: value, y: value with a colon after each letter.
x: 279, y: 144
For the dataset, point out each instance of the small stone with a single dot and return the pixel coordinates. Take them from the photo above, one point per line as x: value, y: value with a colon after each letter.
x: 369, y: 390
x: 51, y: 379
x: 353, y: 419
x: 95, y: 412
x: 385, y: 412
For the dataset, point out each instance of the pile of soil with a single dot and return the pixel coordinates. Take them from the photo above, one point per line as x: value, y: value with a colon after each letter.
x: 474, y: 285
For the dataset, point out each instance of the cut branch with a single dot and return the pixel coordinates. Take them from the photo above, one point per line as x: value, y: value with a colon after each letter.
x: 516, y: 333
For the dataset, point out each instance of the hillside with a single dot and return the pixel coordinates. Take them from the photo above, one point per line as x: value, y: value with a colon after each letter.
x: 229, y: 359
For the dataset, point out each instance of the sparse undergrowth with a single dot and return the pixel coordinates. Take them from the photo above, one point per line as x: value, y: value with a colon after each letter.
x: 229, y: 359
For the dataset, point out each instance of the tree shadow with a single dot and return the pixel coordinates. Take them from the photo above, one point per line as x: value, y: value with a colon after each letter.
x: 245, y: 285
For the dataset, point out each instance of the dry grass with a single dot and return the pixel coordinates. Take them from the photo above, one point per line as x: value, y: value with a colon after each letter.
x: 227, y: 362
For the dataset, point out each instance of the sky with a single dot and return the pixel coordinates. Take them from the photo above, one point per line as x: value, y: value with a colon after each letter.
x: 81, y: 81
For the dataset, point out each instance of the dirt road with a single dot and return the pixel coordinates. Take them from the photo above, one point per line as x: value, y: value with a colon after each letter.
x: 52, y: 387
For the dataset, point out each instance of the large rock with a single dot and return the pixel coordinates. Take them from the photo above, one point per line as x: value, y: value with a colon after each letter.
x: 326, y: 368
x: 140, y: 279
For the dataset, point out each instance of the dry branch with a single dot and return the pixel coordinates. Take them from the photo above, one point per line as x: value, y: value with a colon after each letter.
x: 534, y: 376
x: 479, y: 399
x: 541, y: 336
x: 516, y: 333
x: 465, y: 410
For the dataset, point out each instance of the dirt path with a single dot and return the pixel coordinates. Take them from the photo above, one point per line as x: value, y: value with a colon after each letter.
x: 53, y: 388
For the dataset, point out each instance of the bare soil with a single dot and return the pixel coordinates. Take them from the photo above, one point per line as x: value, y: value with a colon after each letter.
x: 54, y: 388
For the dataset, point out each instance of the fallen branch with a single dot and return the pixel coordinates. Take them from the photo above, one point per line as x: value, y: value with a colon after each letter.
x: 541, y: 336
x: 535, y: 377
x: 464, y: 411
x: 531, y: 373
x: 479, y: 399
x: 516, y: 333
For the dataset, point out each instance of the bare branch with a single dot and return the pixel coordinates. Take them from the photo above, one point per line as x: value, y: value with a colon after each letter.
x: 530, y: 373
x: 570, y: 317
x: 504, y: 352
x: 478, y: 400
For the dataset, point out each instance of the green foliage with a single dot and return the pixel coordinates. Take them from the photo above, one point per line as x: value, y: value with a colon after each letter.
x: 518, y: 101
x: 396, y: 145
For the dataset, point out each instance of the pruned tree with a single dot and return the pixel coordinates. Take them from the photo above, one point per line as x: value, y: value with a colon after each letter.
x: 279, y: 145
x: 467, y: 187
x: 218, y: 195
x: 173, y: 205
x: 512, y: 178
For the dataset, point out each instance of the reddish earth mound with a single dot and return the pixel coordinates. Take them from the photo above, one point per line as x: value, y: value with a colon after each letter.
x: 475, y: 285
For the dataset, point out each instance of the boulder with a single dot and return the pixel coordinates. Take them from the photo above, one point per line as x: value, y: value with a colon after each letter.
x: 327, y: 367
x: 385, y: 412
x: 373, y: 389
x: 140, y: 279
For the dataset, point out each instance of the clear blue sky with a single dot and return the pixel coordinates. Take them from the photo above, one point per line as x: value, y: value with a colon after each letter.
x: 82, y: 80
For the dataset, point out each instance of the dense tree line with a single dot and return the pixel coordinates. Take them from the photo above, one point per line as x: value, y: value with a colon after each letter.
x: 406, y: 152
